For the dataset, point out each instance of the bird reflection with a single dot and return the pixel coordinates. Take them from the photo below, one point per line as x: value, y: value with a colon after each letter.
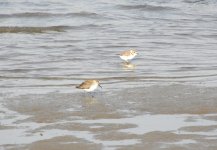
x: 88, y: 101
x: 128, y: 66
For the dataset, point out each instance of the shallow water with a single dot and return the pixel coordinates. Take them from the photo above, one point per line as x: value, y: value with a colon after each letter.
x: 164, y: 99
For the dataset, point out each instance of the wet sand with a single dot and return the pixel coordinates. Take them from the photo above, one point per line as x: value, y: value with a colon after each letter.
x: 172, y: 117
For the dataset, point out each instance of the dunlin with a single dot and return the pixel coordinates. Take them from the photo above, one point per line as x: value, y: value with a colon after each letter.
x: 89, y: 85
x: 128, y: 55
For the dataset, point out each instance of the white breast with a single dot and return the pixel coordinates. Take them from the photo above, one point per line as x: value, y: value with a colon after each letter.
x: 92, y: 88
x: 127, y: 57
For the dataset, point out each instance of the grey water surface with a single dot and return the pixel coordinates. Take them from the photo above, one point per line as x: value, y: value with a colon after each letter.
x: 166, y: 98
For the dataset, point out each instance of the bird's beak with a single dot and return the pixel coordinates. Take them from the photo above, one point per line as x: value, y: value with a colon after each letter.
x: 100, y: 85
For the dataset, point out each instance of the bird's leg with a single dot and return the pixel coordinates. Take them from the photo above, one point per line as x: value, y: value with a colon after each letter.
x: 92, y: 94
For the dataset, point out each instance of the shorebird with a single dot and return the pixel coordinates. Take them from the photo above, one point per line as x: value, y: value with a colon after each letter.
x: 128, y: 55
x: 89, y: 85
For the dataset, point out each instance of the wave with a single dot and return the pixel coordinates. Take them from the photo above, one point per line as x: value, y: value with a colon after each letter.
x: 146, y: 7
x: 200, y: 1
x: 41, y: 14
x: 28, y: 29
x: 16, y: 29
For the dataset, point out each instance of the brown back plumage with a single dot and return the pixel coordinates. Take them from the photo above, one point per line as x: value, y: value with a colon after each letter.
x: 128, y: 52
x: 86, y: 84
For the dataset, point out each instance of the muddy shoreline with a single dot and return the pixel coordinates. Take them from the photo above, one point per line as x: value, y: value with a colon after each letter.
x: 155, y: 117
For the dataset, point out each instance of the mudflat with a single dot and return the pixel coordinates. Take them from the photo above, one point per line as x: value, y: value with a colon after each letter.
x: 155, y: 117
